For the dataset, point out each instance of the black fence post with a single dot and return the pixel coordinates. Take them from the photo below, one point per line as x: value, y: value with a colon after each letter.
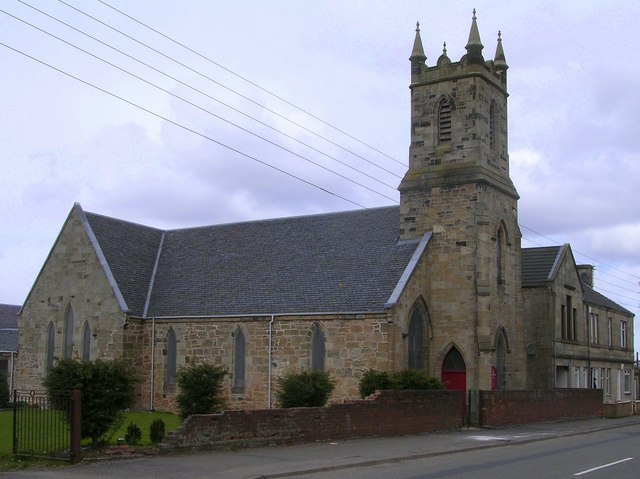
x: 15, y: 414
x: 76, y: 451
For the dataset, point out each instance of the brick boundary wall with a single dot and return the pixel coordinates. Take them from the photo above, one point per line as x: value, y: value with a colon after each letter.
x: 385, y: 413
x: 509, y: 408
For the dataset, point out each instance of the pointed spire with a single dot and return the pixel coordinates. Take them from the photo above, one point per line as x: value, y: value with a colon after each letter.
x: 500, y: 61
x: 417, y: 54
x: 474, y: 45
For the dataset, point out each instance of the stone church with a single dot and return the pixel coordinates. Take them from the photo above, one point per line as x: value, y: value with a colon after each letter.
x: 433, y: 284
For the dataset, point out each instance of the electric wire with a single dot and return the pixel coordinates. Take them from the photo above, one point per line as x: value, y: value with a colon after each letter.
x: 284, y: 100
x: 204, y: 109
x: 237, y: 110
x: 184, y: 127
x: 273, y: 112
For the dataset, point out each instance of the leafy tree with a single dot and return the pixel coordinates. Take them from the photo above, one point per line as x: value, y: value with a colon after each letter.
x: 373, y: 380
x: 106, y: 390
x: 200, y: 389
x: 157, y: 431
x: 305, y: 389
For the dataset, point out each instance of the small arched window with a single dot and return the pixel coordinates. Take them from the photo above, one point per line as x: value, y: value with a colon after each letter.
x: 317, y: 349
x: 51, y: 340
x: 239, y: 359
x: 416, y: 340
x: 86, y: 342
x: 68, y: 333
x: 444, y: 121
x: 170, y: 360
x: 492, y: 126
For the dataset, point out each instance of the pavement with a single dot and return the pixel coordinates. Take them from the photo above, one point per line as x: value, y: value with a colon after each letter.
x: 297, y: 460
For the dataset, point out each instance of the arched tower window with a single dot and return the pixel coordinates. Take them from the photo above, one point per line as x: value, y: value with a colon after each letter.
x: 416, y: 340
x: 68, y: 333
x: 239, y: 359
x: 501, y: 352
x: 444, y: 121
x: 170, y: 360
x: 317, y: 349
x: 492, y: 126
x: 51, y: 342
x: 86, y: 342
x: 500, y: 255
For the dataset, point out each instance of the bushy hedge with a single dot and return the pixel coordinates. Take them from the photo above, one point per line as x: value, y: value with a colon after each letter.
x: 157, y: 431
x: 373, y: 380
x: 305, y: 389
x: 200, y: 389
x: 107, y: 388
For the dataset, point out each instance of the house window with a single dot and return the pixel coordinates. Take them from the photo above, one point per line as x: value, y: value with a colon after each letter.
x: 239, y: 359
x: 627, y: 381
x: 317, y: 349
x: 623, y: 334
x: 596, y: 377
x: 68, y: 333
x: 416, y: 341
x: 609, y: 332
x: 86, y: 342
x: 170, y: 359
x: 444, y: 121
x: 594, y: 328
x: 607, y: 381
x: 568, y: 315
x: 51, y: 338
x: 576, y: 377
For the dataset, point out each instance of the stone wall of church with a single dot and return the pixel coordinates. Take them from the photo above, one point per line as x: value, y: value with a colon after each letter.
x: 353, y: 343
x: 71, y: 277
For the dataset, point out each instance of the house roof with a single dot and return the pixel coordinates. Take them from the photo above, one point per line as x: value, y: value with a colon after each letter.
x: 538, y: 265
x: 9, y: 327
x: 340, y: 262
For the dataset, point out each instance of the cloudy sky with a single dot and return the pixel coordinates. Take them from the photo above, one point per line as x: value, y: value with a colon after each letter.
x: 291, y: 107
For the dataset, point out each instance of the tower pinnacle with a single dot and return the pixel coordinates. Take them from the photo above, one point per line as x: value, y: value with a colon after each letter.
x: 417, y: 54
x: 500, y: 61
x: 474, y: 45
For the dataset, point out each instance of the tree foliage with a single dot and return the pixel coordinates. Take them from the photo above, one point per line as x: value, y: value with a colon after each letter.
x: 305, y: 389
x: 107, y: 388
x: 373, y: 380
x: 157, y: 431
x: 200, y: 389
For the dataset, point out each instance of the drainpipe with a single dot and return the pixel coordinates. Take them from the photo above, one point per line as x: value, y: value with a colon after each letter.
x: 153, y: 363
x: 270, y: 360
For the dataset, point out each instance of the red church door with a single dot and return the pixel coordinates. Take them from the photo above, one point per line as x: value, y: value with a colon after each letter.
x: 454, y: 371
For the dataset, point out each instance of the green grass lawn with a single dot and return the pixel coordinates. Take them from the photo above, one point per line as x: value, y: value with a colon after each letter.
x: 142, y: 419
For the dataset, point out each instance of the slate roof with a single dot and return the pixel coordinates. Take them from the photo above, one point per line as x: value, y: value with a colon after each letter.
x: 537, y: 265
x: 327, y: 263
x: 9, y: 327
x: 593, y: 297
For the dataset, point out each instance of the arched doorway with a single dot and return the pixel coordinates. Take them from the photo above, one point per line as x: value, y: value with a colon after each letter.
x: 454, y: 371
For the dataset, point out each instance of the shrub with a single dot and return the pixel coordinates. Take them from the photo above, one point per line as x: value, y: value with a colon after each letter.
x: 157, y: 431
x: 133, y: 435
x: 305, y: 389
x: 200, y: 389
x: 373, y: 380
x: 106, y: 390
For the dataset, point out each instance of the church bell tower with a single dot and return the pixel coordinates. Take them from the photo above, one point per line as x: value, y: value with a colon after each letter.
x: 458, y: 188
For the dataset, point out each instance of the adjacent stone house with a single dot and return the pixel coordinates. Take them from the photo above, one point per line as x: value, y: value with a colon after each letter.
x: 433, y: 284
x: 576, y: 337
x: 8, y: 340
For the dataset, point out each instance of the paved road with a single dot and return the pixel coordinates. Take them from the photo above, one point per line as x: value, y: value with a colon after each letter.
x: 490, y: 452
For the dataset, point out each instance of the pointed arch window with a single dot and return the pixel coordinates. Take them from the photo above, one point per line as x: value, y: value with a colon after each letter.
x: 444, y: 121
x: 500, y: 242
x: 239, y: 359
x: 170, y: 359
x: 492, y: 126
x: 68, y: 333
x: 415, y: 338
x: 317, y: 349
x: 51, y: 340
x: 86, y: 342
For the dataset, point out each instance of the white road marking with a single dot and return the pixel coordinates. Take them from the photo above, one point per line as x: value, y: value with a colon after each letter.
x: 603, y: 466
